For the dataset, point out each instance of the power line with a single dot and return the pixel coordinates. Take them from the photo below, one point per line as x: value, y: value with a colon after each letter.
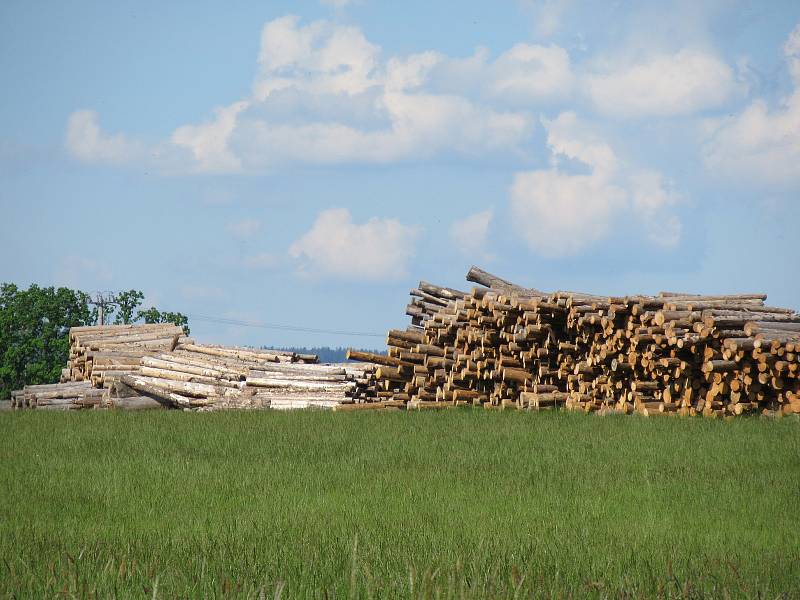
x: 225, y: 321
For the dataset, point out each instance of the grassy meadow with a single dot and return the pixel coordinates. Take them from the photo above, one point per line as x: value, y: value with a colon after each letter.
x: 462, y: 503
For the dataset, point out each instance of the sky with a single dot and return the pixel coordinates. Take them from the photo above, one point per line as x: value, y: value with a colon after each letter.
x: 305, y: 164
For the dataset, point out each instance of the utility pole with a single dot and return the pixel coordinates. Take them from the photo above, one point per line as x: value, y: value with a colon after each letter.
x: 101, y: 301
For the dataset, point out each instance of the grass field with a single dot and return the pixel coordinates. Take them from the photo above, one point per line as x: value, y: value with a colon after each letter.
x: 451, y: 504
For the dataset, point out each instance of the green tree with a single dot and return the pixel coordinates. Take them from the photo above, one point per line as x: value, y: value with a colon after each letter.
x: 153, y: 315
x: 127, y: 303
x: 34, y: 333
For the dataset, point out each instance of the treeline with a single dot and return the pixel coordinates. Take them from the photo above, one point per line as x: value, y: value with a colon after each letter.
x: 326, y: 353
x: 35, y: 323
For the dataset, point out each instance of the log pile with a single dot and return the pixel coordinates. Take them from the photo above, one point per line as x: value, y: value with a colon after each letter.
x: 197, y: 376
x: 58, y: 396
x: 134, y: 367
x: 97, y: 352
x: 505, y: 346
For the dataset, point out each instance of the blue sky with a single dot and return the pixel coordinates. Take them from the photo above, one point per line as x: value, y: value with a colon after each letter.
x: 307, y: 163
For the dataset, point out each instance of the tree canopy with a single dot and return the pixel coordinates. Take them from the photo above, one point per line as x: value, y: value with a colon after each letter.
x: 34, y: 332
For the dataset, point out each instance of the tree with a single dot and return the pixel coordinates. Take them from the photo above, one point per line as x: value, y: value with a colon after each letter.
x: 153, y: 315
x: 34, y: 333
x: 127, y: 303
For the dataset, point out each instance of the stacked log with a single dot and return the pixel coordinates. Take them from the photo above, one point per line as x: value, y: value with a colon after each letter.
x: 155, y: 366
x: 506, y: 346
x: 58, y: 396
x: 107, y: 351
x: 197, y: 376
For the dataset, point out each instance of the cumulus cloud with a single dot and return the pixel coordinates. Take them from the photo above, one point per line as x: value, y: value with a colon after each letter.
x: 560, y: 213
x: 524, y: 75
x: 791, y: 50
x: 318, y: 58
x: 569, y: 137
x: 663, y: 85
x: 325, y: 94
x: 244, y: 229
x: 531, y: 73
x: 88, y: 143
x: 423, y: 126
x: 208, y: 142
x: 651, y: 197
x: 336, y: 246
x: 761, y: 143
x: 470, y: 235
x: 547, y: 14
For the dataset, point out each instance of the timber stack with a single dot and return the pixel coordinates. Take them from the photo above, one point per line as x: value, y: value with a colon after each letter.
x: 195, y: 376
x: 134, y: 367
x: 108, y: 351
x: 502, y: 345
x: 58, y: 396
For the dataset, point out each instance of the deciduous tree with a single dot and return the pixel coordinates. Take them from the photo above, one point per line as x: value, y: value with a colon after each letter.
x: 34, y: 333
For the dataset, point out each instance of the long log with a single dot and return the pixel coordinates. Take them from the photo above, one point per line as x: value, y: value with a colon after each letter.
x: 378, y: 359
x: 190, y: 378
x: 168, y: 398
x: 299, y: 384
x: 135, y: 403
x: 160, y: 363
x: 184, y: 388
x: 238, y: 354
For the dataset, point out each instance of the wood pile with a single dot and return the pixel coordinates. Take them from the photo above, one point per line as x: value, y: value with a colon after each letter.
x: 505, y: 346
x: 97, y: 352
x: 58, y: 396
x: 134, y: 367
x: 196, y: 376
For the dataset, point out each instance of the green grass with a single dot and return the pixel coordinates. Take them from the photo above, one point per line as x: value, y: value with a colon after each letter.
x: 451, y: 504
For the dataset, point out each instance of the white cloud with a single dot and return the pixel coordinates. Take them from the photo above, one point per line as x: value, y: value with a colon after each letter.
x: 524, y: 75
x: 530, y: 73
x: 569, y: 137
x: 86, y: 142
x: 208, y: 142
x: 663, y: 85
x: 423, y: 126
x: 651, y: 197
x: 244, y: 229
x: 470, y: 235
x: 559, y: 213
x: 412, y: 71
x: 547, y: 14
x: 760, y: 143
x: 324, y: 94
x: 317, y: 58
x: 791, y: 50
x: 376, y: 250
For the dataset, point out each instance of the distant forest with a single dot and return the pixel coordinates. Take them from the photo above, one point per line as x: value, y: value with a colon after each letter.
x: 325, y: 353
